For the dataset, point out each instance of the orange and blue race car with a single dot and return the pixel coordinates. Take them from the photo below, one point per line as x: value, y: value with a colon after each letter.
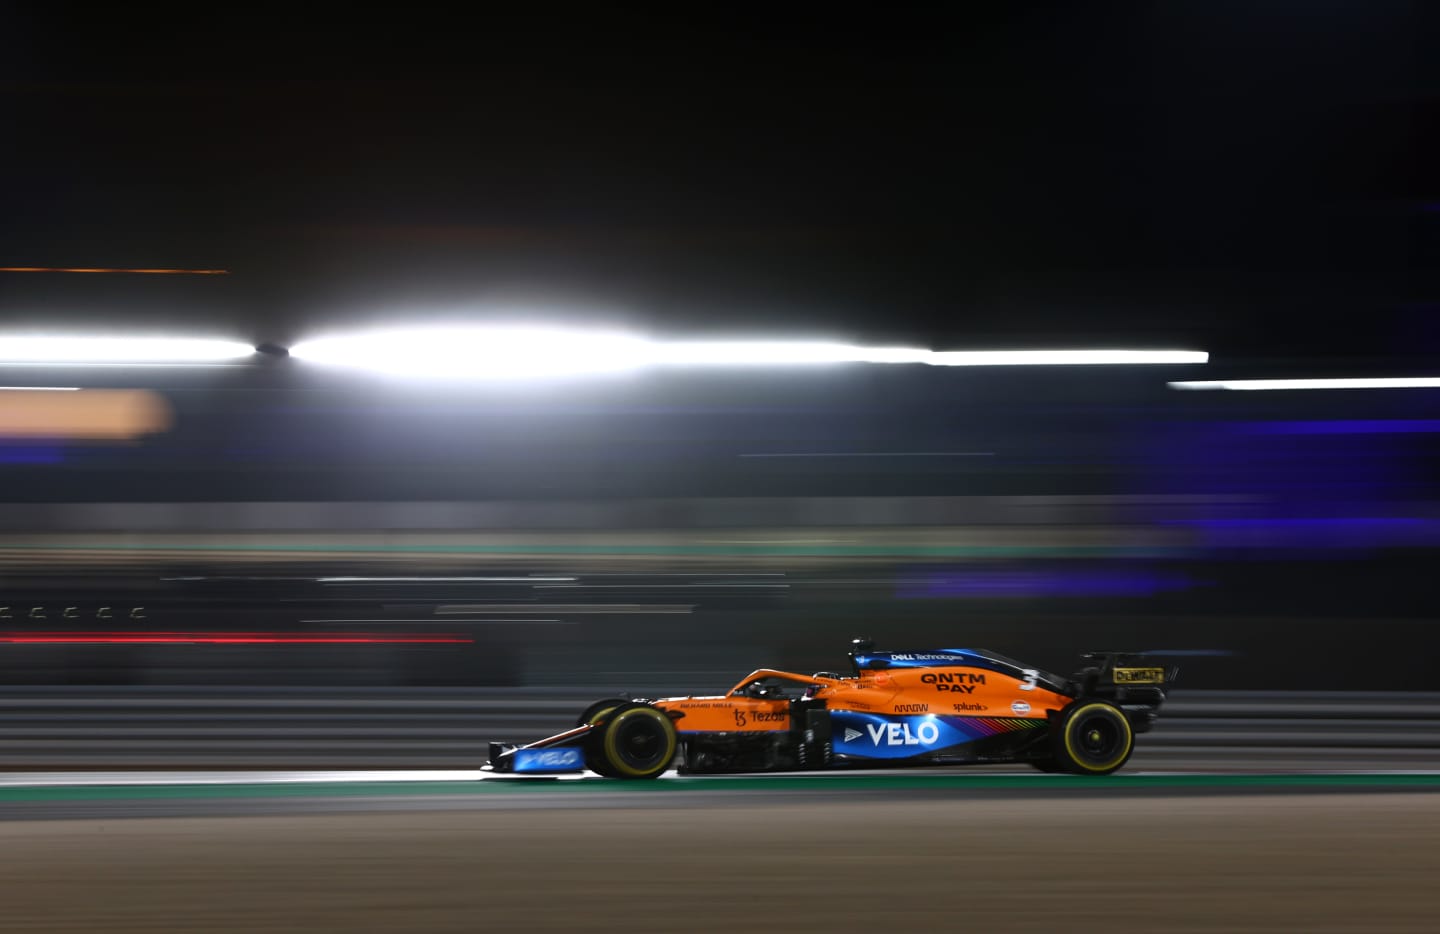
x: 936, y: 707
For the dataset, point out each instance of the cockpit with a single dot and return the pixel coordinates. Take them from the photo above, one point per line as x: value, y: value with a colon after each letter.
x: 776, y: 685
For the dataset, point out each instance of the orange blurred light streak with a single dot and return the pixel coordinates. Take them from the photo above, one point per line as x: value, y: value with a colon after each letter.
x: 142, y: 272
x: 91, y: 414
x: 230, y: 638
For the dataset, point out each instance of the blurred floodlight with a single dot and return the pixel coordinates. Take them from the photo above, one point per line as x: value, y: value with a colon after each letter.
x: 778, y: 353
x: 1384, y: 382
x: 30, y: 349
x: 1065, y: 357
x: 514, y: 352
x: 479, y: 352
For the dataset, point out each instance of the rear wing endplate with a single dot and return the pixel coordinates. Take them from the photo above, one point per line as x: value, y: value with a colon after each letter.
x: 1127, y: 669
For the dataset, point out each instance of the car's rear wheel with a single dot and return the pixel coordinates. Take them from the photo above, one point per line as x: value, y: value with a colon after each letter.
x: 633, y: 741
x: 1094, y: 738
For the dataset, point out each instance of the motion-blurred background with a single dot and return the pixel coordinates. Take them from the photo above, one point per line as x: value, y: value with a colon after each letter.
x: 697, y: 526
x: 1253, y: 183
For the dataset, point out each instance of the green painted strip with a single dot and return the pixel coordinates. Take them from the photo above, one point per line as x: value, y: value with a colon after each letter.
x: 731, y: 784
x: 779, y: 551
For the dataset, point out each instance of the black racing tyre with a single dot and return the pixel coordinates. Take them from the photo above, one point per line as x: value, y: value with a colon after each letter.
x: 598, y: 765
x: 634, y: 741
x: 597, y: 708
x: 593, y: 760
x: 1093, y: 738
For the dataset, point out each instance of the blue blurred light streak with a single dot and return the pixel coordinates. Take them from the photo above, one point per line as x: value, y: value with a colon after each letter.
x: 19, y: 454
x: 1040, y: 583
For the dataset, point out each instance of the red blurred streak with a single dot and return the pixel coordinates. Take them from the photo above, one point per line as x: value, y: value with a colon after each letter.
x: 232, y: 638
x: 141, y: 272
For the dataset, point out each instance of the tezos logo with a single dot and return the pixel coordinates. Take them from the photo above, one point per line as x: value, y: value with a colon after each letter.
x: 1020, y: 707
x: 927, y: 733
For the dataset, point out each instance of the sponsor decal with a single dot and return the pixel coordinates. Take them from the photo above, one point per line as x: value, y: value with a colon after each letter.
x: 968, y: 706
x: 923, y: 657
x: 1139, y: 675
x: 912, y: 708
x: 1020, y: 707
x: 744, y: 718
x: 549, y: 760
x: 962, y: 682
x: 925, y: 733
x: 879, y: 736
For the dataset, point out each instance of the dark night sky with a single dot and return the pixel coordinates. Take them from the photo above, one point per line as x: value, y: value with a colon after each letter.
x: 1250, y: 179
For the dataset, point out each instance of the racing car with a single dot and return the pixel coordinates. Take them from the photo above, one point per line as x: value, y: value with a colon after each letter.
x: 935, y: 707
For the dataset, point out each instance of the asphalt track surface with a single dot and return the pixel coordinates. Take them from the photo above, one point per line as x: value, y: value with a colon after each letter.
x: 912, y: 851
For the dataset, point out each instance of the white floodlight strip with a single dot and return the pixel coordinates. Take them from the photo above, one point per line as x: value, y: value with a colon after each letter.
x: 60, y: 350
x: 1382, y: 382
x: 500, y: 352
x: 39, y: 388
x: 477, y: 352
x: 1064, y: 357
x: 777, y: 353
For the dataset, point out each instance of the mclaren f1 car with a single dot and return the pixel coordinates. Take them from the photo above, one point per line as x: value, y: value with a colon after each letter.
x: 935, y: 707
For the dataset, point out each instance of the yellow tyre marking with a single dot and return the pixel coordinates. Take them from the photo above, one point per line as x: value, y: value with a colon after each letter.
x: 1070, y: 743
x: 612, y: 754
x: 599, y: 713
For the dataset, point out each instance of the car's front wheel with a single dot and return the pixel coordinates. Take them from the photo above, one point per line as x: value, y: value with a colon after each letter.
x: 597, y: 710
x: 633, y: 741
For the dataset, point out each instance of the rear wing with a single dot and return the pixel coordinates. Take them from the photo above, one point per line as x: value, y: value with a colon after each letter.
x: 1120, y: 673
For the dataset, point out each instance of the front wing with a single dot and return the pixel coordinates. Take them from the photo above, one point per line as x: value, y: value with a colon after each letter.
x: 553, y: 755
